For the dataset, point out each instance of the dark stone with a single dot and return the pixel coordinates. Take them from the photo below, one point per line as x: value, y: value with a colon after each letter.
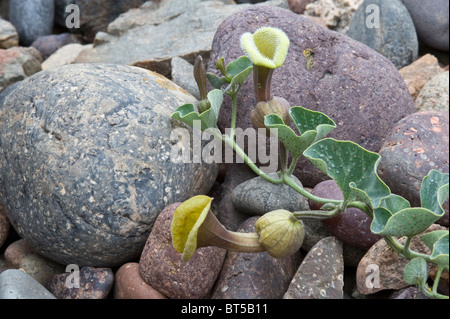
x: 416, y: 145
x: 94, y: 283
x: 431, y: 21
x: 321, y: 274
x: 354, y: 85
x: 258, y: 196
x: 96, y: 15
x: 85, y: 161
x: 47, y: 45
x: 32, y: 18
x: 395, y: 37
x: 352, y: 226
x: 162, y: 268
x: 255, y: 275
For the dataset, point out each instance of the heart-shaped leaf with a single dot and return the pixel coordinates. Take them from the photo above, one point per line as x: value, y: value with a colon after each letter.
x: 215, y: 81
x: 208, y: 119
x: 440, y: 252
x: 352, y: 167
x: 238, y: 66
x: 306, y: 120
x: 310, y: 124
x: 434, y: 191
x: 416, y: 272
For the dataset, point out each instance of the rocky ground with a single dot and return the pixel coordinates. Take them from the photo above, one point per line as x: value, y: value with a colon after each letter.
x: 86, y: 180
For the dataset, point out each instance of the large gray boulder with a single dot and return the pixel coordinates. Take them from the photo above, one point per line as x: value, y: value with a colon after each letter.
x: 85, y: 161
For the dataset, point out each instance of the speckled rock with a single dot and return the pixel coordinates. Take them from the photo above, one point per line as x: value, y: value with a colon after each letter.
x: 8, y: 35
x: 40, y: 268
x: 340, y: 83
x: 352, y: 226
x: 162, y: 268
x: 255, y: 275
x: 392, y: 33
x: 417, y: 144
x: 4, y: 226
x: 408, y: 293
x: 299, y: 6
x: 419, y: 72
x: 431, y: 21
x: 16, y: 251
x: 15, y: 284
x: 321, y: 274
x: 382, y: 268
x: 94, y: 283
x: 32, y: 19
x: 128, y: 284
x: 85, y: 161
x: 434, y: 95
x: 258, y: 196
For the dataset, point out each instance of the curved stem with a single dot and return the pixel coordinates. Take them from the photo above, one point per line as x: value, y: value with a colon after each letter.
x: 290, y: 182
x: 316, y: 214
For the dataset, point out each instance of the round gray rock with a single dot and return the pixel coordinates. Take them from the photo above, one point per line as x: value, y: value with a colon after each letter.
x: 32, y: 19
x: 431, y: 20
x: 85, y: 165
x: 354, y: 85
x: 386, y: 27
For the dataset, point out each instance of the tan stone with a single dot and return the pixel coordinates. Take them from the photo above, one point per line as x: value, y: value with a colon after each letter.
x: 419, y: 72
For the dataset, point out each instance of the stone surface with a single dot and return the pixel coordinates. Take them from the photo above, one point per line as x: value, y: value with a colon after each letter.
x: 162, y: 268
x: 408, y: 293
x: 352, y: 226
x: 337, y: 14
x: 258, y: 196
x: 227, y: 214
x: 48, y: 44
x: 40, y: 268
x: 92, y: 283
x: 431, y: 21
x: 8, y: 35
x: 65, y: 55
x: 5, y: 226
x: 321, y: 274
x: 382, y: 268
x: 183, y: 75
x: 416, y: 145
x: 419, y: 72
x: 32, y: 18
x: 15, y: 284
x: 16, y: 251
x: 85, y: 161
x: 392, y: 33
x: 340, y: 83
x: 255, y: 275
x: 95, y: 15
x: 299, y: 6
x: 18, y: 63
x: 129, y: 284
x: 434, y: 95
x: 159, y: 32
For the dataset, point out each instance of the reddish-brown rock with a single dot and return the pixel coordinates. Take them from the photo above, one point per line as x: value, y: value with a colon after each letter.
x: 354, y: 85
x: 162, y: 268
x: 130, y: 285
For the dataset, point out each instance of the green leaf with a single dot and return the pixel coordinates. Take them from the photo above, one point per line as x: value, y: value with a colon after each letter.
x: 416, y: 272
x: 295, y: 144
x: 406, y: 222
x: 352, y: 167
x: 307, y: 120
x: 242, y: 76
x: 434, y: 191
x: 208, y: 119
x: 440, y: 252
x: 215, y: 81
x: 430, y: 238
x: 310, y: 124
x: 238, y: 66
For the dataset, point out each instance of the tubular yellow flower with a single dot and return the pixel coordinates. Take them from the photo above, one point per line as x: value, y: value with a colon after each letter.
x: 266, y: 47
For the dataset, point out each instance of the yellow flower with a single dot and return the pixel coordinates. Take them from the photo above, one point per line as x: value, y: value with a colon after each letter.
x: 266, y: 47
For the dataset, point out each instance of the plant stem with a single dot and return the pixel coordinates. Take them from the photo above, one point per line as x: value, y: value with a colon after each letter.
x: 290, y: 182
x: 437, y: 278
x: 233, y: 95
x: 317, y: 214
x: 283, y: 158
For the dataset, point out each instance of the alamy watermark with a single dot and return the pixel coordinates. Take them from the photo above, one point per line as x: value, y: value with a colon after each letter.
x: 372, y: 16
x: 73, y: 17
x: 196, y: 146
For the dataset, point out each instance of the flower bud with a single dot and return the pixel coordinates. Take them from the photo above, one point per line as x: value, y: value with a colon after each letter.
x: 280, y: 233
x: 203, y: 106
x: 276, y: 105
